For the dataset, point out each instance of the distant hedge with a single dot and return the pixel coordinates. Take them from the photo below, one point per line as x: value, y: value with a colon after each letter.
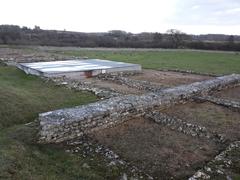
x: 12, y: 34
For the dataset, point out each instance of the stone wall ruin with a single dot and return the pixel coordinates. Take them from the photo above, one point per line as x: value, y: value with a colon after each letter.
x: 60, y: 125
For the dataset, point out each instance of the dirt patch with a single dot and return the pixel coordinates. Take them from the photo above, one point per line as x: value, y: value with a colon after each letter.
x: 215, y: 118
x: 158, y: 78
x: 169, y: 78
x: 117, y: 87
x: 159, y: 151
x: 231, y: 94
x: 123, y: 89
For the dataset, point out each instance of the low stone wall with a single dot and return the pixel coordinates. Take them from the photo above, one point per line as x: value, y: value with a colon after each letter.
x: 64, y: 124
x: 133, y: 83
x: 183, y: 126
x: 104, y: 93
x: 191, y: 72
x: 220, y: 101
x: 221, y: 166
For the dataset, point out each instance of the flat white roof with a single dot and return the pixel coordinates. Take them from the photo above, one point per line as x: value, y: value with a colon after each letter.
x: 75, y: 65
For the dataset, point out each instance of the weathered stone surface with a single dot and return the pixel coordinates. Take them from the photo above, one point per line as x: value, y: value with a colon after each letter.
x: 86, y: 146
x: 64, y: 124
x: 183, y: 126
x: 221, y: 166
x: 190, y: 72
x: 219, y: 101
x: 85, y: 86
x: 133, y: 83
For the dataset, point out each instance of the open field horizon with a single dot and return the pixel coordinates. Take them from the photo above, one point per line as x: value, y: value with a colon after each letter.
x: 199, y: 61
x: 212, y: 62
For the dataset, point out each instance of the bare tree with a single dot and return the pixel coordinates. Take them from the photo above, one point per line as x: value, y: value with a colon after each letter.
x: 231, y: 39
x: 176, y: 37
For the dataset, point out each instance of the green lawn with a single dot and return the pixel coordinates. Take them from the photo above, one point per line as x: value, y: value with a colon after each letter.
x: 22, y: 97
x: 22, y: 158
x: 204, y: 62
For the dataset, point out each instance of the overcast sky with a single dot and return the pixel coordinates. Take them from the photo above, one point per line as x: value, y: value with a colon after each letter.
x: 190, y: 16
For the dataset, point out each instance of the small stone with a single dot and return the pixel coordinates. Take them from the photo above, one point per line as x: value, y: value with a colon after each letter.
x: 208, y: 169
x: 85, y: 165
x: 219, y: 172
x: 124, y: 177
x: 201, y: 175
x: 64, y: 83
x: 112, y: 163
x: 121, y: 162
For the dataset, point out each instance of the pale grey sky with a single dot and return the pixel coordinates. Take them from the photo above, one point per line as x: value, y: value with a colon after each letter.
x: 190, y: 16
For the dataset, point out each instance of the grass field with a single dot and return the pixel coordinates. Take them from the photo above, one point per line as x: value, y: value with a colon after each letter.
x: 22, y: 97
x: 197, y: 61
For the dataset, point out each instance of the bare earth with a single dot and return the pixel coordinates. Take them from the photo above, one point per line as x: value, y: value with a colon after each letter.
x: 215, y: 118
x: 157, y: 150
x: 169, y: 78
x: 231, y: 94
x: 161, y: 78
x: 114, y: 86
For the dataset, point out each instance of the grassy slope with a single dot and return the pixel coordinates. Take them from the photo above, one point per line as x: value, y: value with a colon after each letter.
x: 22, y: 97
x: 22, y: 158
x: 204, y: 62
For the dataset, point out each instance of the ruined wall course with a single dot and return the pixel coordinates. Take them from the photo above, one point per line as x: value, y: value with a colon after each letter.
x: 60, y: 125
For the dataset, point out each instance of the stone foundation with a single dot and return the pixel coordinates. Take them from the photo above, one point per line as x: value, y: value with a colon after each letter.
x: 65, y: 124
x: 104, y: 93
x: 220, y: 101
x: 220, y: 167
x: 132, y: 83
x: 183, y: 126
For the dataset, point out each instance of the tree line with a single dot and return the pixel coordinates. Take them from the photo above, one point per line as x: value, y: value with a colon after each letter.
x: 16, y: 35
